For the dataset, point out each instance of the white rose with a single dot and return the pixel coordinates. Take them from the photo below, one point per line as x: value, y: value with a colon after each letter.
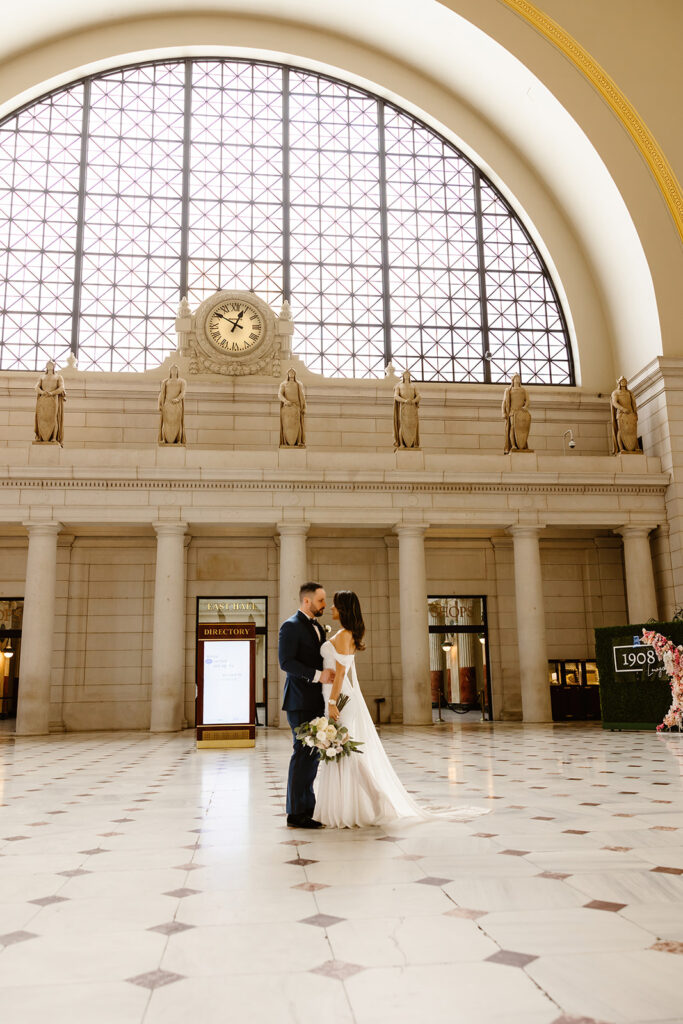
x: 331, y: 732
x: 310, y: 742
x: 330, y: 752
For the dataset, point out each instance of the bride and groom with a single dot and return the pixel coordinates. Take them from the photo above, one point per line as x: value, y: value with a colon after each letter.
x: 362, y: 789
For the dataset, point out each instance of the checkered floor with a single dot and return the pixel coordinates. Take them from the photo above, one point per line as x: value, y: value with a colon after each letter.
x: 142, y: 881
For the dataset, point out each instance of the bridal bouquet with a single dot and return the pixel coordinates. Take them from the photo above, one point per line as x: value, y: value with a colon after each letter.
x: 332, y: 741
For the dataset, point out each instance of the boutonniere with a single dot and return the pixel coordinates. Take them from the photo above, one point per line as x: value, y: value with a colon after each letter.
x: 328, y: 628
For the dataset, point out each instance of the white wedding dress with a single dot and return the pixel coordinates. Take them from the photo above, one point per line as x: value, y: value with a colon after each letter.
x: 362, y: 789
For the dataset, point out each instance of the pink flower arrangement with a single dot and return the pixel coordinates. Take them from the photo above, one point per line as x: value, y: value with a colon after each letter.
x: 672, y: 656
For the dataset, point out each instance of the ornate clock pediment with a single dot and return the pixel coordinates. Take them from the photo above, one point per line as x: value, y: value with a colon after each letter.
x: 234, y: 333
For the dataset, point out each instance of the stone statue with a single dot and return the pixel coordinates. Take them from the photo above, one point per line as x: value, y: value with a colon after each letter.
x: 50, y: 399
x: 406, y: 416
x: 286, y: 311
x: 292, y: 411
x: 171, y: 405
x: 624, y: 420
x: 184, y: 307
x: 515, y: 411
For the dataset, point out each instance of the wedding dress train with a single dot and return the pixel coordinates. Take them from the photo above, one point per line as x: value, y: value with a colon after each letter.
x: 362, y: 789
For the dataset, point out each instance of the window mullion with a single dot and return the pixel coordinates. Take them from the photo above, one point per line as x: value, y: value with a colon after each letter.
x: 80, y: 221
x: 286, y: 201
x: 481, y: 270
x: 185, y: 194
x: 384, y: 232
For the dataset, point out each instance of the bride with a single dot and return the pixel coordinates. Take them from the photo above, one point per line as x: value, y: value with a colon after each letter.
x: 362, y: 789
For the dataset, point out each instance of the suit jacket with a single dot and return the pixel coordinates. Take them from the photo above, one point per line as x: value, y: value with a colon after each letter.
x: 299, y: 653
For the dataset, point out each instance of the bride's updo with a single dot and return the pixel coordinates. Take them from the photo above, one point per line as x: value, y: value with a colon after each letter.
x: 347, y: 604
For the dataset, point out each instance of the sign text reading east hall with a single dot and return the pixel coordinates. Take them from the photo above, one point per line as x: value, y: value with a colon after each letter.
x: 225, y: 631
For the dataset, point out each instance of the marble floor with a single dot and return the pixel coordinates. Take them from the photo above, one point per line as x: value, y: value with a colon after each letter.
x: 142, y: 882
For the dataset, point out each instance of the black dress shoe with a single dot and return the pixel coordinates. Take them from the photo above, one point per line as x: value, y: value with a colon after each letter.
x: 302, y: 821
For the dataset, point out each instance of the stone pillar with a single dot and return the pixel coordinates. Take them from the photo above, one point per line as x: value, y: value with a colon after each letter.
x: 531, y: 642
x: 37, y: 634
x: 414, y: 626
x: 293, y: 572
x: 168, y: 639
x: 641, y: 596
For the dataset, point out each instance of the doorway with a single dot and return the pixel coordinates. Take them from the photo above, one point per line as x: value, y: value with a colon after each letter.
x: 221, y: 610
x: 11, y: 615
x: 459, y: 653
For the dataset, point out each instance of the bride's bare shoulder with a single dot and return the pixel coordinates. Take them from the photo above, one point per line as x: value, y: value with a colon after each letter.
x: 343, y: 642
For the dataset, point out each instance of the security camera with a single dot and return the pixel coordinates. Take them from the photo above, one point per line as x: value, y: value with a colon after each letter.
x: 568, y: 440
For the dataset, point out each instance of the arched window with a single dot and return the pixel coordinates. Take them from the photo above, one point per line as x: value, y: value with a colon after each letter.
x: 126, y: 190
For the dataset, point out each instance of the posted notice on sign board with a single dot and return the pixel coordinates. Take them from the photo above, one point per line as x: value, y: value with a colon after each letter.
x: 227, y: 682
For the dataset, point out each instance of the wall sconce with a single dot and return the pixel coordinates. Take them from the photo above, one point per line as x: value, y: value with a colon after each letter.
x: 7, y: 651
x: 572, y: 442
x: 446, y: 646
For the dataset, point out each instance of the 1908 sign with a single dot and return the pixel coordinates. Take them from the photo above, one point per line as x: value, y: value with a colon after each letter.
x: 634, y: 659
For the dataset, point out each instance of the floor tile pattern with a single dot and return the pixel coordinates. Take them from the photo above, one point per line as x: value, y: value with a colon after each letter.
x: 143, y: 881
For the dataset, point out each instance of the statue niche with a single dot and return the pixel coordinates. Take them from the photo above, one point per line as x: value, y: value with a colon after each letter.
x: 292, y: 410
x: 624, y: 420
x: 515, y: 411
x: 171, y: 405
x: 406, y: 414
x: 50, y: 399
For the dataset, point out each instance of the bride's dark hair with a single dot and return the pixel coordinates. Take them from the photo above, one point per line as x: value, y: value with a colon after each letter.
x: 347, y: 604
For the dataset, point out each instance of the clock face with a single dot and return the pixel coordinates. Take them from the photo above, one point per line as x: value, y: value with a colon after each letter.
x: 234, y: 326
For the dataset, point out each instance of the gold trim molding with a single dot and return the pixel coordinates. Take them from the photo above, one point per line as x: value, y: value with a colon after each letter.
x: 654, y: 157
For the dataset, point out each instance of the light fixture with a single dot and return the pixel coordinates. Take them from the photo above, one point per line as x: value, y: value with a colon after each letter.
x: 572, y: 442
x: 8, y: 652
x: 446, y: 646
x: 482, y: 640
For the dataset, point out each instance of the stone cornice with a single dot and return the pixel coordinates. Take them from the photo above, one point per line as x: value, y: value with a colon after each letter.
x: 192, y: 481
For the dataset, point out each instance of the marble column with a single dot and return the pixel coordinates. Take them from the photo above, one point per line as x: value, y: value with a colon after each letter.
x: 530, y: 611
x: 414, y: 626
x: 641, y: 595
x: 37, y: 634
x: 168, y: 639
x: 293, y: 572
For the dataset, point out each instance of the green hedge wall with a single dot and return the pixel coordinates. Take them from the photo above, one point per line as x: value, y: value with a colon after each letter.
x: 632, y: 700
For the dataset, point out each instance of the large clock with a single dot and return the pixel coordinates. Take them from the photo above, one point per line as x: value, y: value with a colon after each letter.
x: 234, y: 333
x: 234, y: 326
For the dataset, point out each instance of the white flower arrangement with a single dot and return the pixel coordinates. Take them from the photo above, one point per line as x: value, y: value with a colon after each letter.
x: 331, y: 741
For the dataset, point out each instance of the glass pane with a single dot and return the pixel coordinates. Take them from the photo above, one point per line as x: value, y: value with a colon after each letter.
x: 236, y: 180
x: 592, y: 677
x: 233, y: 609
x: 133, y: 209
x: 572, y: 673
x: 336, y: 247
x: 456, y: 611
x: 553, y: 673
x: 457, y: 663
x: 11, y: 614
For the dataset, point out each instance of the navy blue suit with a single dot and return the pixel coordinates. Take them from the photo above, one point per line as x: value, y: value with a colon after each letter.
x: 299, y: 654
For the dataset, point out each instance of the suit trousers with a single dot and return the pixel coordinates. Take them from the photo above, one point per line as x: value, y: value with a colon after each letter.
x: 303, y: 767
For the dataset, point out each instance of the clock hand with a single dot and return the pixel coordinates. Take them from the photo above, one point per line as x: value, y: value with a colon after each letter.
x: 237, y: 323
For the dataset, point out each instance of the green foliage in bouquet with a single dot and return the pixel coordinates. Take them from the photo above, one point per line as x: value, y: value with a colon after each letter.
x: 331, y: 741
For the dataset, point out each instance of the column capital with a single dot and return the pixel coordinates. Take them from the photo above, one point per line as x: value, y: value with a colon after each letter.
x: 635, y: 529
x: 524, y: 530
x: 299, y: 529
x: 410, y: 529
x: 41, y: 527
x: 170, y: 529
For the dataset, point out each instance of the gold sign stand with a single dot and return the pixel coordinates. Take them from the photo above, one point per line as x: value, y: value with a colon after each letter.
x: 226, y: 691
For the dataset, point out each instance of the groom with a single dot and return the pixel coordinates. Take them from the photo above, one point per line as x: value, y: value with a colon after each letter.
x: 301, y: 637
